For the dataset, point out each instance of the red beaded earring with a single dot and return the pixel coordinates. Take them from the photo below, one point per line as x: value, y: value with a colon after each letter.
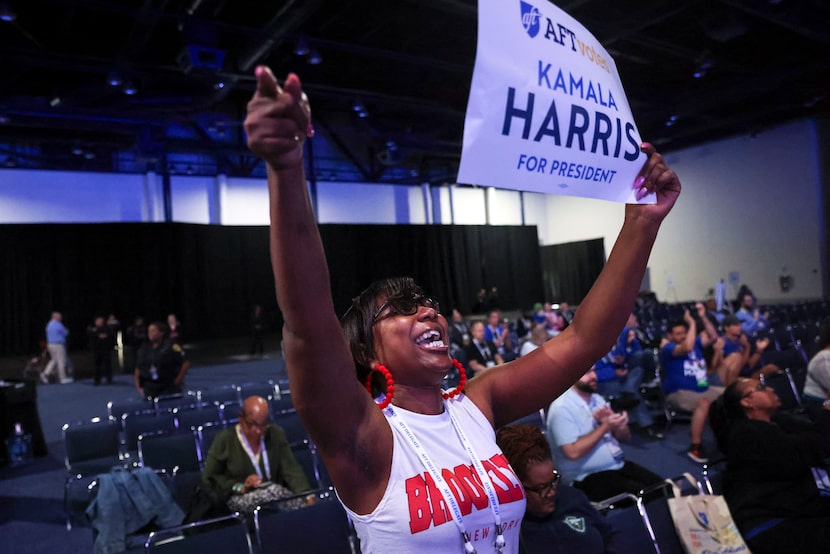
x: 462, y: 381
x: 390, y: 385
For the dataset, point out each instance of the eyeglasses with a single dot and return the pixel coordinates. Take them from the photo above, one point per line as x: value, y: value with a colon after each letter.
x: 255, y: 425
x: 405, y: 305
x: 760, y: 387
x: 546, y: 488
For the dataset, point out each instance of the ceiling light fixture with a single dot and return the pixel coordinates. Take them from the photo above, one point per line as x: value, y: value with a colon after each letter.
x: 114, y: 78
x: 314, y: 57
x: 55, y: 102
x: 360, y: 109
x: 129, y: 88
x: 7, y: 13
x: 671, y: 121
x: 703, y: 68
x: 301, y: 47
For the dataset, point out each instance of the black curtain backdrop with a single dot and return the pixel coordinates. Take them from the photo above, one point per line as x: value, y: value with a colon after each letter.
x: 211, y: 276
x: 571, y: 268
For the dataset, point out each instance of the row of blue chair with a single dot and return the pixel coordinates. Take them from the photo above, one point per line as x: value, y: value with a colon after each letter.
x: 323, y: 526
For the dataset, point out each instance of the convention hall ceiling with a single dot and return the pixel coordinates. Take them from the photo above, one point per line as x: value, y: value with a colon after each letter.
x: 138, y: 85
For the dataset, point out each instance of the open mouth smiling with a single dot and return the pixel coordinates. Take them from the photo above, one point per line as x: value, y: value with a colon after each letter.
x: 430, y: 339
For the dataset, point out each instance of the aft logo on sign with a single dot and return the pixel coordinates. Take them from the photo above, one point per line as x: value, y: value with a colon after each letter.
x: 530, y: 19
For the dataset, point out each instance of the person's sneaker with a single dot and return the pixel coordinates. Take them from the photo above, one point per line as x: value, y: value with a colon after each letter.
x: 652, y: 433
x: 696, y: 453
x: 67, y: 381
x: 44, y: 379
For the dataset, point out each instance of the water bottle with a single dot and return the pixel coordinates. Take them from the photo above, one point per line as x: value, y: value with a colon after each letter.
x: 19, y: 447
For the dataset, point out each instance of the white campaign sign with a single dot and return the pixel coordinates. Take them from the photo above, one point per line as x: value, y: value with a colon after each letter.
x: 547, y: 111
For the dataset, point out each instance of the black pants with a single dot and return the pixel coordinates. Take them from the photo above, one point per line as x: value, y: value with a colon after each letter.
x: 631, y: 478
x: 103, y: 365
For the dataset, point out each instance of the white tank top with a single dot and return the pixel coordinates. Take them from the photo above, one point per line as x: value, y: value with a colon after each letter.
x: 412, y: 515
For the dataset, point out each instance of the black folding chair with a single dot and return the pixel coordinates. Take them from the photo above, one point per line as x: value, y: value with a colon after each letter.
x: 293, y: 427
x: 226, y: 393
x: 297, y: 531
x: 223, y: 534
x: 91, y: 448
x: 192, y: 417
x: 139, y: 424
x: 266, y: 390
x: 306, y: 455
x: 173, y: 453
x: 626, y: 514
x: 205, y: 435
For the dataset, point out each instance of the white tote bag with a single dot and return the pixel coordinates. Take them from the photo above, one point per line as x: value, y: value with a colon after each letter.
x: 704, y: 523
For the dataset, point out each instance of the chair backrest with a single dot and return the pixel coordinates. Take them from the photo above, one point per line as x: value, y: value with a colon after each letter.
x: 297, y: 530
x: 224, y: 534
x: 168, y: 402
x: 90, y: 442
x: 785, y: 387
x: 175, y: 452
x: 281, y: 404
x: 537, y: 419
x: 306, y: 455
x: 191, y: 417
x: 145, y: 424
x: 230, y: 411
x: 205, y: 435
x: 293, y: 427
x: 117, y: 408
x: 627, y: 517
x: 266, y: 390
x: 225, y: 393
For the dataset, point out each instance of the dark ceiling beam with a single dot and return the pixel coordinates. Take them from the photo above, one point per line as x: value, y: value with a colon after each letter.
x: 813, y: 28
x: 466, y: 8
x: 391, y: 55
x: 285, y: 22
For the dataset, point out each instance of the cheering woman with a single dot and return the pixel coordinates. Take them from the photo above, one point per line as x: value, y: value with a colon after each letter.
x: 422, y: 473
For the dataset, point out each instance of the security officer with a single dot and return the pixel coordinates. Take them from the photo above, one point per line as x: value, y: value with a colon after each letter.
x: 101, y: 342
x: 161, y: 365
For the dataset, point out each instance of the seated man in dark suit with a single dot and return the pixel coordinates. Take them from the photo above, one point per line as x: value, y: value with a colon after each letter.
x: 482, y: 354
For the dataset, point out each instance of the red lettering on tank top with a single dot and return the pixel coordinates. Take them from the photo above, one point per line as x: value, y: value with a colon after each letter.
x: 436, y: 500
x: 417, y: 498
x: 503, y: 479
x: 428, y: 507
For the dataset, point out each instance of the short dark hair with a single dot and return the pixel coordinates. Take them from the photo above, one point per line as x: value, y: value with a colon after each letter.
x: 357, y: 321
x: 678, y: 323
x: 522, y: 445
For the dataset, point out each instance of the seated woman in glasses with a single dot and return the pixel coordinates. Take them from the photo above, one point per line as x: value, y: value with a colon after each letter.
x: 251, y: 463
x: 558, y: 518
x: 424, y: 473
x: 776, y: 481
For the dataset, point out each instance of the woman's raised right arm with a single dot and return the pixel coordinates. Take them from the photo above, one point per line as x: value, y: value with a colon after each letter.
x: 336, y: 411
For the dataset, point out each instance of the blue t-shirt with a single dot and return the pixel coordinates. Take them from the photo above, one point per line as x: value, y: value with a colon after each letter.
x: 605, y: 368
x: 687, y: 372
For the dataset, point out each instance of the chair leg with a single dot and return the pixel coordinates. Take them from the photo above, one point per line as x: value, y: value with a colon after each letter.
x: 66, y: 503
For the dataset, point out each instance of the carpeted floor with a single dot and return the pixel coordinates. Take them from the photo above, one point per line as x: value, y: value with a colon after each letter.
x: 31, y: 497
